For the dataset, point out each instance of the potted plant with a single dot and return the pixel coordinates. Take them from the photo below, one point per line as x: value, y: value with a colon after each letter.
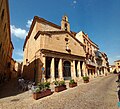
x: 86, y: 79
x: 59, y: 86
x: 41, y: 90
x: 72, y: 83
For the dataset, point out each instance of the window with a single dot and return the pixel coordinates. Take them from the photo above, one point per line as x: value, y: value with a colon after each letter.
x: 87, y: 44
x: 88, y: 49
x: 4, y: 27
x: 26, y: 60
x: 84, y: 41
x: 85, y: 48
x: 2, y: 14
x: 65, y: 18
x: 65, y: 27
x: 91, y: 51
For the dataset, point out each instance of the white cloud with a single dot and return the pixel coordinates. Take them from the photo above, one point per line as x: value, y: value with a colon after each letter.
x: 19, y: 53
x: 74, y: 1
x: 29, y: 22
x: 18, y: 32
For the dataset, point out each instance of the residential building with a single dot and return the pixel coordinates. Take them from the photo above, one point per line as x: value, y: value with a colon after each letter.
x: 6, y: 46
x: 90, y: 49
x: 52, y: 52
x: 117, y: 65
x: 96, y: 62
x: 18, y: 68
x: 105, y: 63
x: 112, y: 68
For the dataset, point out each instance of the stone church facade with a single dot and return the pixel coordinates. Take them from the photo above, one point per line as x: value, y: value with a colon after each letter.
x: 53, y: 52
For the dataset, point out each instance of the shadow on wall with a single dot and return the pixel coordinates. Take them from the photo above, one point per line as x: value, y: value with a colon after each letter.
x: 33, y: 70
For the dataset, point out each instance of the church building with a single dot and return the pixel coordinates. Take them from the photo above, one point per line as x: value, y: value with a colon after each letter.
x: 52, y: 52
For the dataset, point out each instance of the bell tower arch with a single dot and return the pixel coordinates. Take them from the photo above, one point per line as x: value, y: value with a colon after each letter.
x: 65, y: 24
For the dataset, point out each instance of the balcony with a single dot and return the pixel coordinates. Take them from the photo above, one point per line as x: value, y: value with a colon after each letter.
x: 90, y: 63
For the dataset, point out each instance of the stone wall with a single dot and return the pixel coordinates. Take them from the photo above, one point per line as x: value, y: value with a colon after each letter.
x: 57, y: 43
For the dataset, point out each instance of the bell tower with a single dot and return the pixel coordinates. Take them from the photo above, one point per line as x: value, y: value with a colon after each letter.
x: 65, y: 24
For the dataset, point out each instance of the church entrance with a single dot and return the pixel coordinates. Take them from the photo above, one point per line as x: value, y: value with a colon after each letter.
x: 67, y: 70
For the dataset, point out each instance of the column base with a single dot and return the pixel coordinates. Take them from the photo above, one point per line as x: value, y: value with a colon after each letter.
x: 61, y: 79
x: 52, y: 79
x: 75, y: 78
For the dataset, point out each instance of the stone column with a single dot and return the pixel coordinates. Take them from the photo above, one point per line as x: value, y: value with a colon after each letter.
x: 85, y: 73
x: 95, y: 72
x: 73, y: 72
x: 92, y: 73
x: 60, y: 69
x: 78, y: 69
x: 52, y: 71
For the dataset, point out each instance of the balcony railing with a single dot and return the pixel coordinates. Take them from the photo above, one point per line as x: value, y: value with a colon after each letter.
x: 90, y: 63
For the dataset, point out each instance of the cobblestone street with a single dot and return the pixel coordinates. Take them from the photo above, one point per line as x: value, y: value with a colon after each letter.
x: 99, y: 93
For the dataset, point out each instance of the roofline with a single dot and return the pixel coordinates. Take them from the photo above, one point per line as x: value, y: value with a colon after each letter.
x: 12, y: 44
x: 116, y: 60
x: 91, y: 40
x: 36, y: 18
x: 48, y: 22
x: 112, y: 65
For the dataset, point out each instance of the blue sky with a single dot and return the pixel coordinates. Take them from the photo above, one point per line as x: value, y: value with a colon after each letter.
x: 100, y: 19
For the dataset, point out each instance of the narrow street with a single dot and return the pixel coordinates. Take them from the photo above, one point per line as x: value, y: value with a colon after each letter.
x: 99, y: 93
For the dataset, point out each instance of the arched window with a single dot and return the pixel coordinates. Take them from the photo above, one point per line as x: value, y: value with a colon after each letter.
x: 2, y: 14
x: 65, y: 27
x: 65, y: 18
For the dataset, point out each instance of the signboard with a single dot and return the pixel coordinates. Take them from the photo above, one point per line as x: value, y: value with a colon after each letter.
x: 119, y: 104
x: 43, y: 69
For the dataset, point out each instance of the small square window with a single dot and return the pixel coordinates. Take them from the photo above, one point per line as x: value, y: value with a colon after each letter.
x: 2, y: 14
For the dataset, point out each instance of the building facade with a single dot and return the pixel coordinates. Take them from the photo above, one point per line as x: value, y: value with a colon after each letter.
x: 96, y: 62
x: 112, y: 69
x: 6, y: 46
x: 52, y: 52
x: 117, y: 65
x: 105, y: 64
x: 18, y: 68
x: 55, y: 52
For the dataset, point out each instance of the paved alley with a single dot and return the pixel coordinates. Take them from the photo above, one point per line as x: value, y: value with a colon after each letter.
x: 99, y: 93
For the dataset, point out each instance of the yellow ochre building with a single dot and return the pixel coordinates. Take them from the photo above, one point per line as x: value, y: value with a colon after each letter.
x: 55, y: 52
